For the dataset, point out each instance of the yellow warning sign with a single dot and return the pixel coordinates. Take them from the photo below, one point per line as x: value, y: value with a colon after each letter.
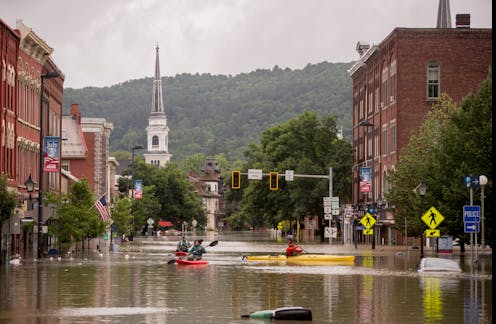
x: 368, y: 232
x: 432, y: 233
x: 368, y: 221
x: 432, y: 218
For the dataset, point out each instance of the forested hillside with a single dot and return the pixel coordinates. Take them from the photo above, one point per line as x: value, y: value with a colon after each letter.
x: 214, y: 114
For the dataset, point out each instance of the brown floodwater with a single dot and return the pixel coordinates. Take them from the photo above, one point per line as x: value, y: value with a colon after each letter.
x: 138, y: 285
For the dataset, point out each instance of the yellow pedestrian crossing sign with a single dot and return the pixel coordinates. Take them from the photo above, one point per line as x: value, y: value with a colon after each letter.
x: 368, y: 221
x: 432, y: 233
x: 432, y: 218
x: 368, y: 232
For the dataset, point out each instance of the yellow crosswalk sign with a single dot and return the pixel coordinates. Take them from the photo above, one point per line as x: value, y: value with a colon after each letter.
x: 432, y: 233
x: 432, y: 218
x: 368, y: 221
x: 368, y: 232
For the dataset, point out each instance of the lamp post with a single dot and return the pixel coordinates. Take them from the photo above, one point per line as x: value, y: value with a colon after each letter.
x: 137, y: 147
x: 48, y: 75
x: 482, y: 182
x: 421, y: 190
x: 366, y: 123
x: 29, y: 187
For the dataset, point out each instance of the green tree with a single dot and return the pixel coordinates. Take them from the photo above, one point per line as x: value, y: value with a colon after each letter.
x: 306, y: 145
x: 8, y: 202
x: 77, y: 219
x: 175, y: 195
x: 121, y: 216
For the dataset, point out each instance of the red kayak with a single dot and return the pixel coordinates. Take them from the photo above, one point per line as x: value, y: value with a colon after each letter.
x: 181, y: 253
x: 191, y: 262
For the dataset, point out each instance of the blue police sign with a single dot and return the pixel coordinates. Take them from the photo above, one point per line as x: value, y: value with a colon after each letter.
x: 471, y: 214
x: 471, y: 227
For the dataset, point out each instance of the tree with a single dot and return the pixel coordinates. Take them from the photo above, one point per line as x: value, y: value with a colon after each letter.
x: 77, y: 219
x: 121, y: 216
x: 307, y: 146
x: 174, y: 193
x: 8, y: 202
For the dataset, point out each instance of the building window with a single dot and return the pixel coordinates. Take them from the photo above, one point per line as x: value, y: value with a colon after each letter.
x: 393, y: 136
x: 433, y: 80
x: 384, y: 88
x: 384, y: 147
x: 393, y: 81
x: 155, y: 142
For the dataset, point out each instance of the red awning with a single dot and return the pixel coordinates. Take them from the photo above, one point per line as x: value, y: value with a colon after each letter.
x: 165, y: 223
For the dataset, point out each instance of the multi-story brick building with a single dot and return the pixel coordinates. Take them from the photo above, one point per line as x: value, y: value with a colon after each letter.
x: 25, y: 59
x: 395, y: 84
x: 85, y: 150
x: 9, y: 54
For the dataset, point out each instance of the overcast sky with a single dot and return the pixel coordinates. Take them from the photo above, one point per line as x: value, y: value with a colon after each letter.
x: 104, y: 42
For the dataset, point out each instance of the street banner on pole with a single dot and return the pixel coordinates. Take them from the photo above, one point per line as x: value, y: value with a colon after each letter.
x: 365, y: 180
x: 138, y: 189
x: 51, y: 155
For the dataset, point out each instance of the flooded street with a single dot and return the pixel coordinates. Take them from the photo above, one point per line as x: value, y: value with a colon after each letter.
x: 137, y: 285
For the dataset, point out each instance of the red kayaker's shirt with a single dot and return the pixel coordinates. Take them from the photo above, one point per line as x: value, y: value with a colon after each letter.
x: 293, y: 250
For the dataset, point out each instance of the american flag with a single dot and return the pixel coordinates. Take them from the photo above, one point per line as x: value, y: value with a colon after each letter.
x: 101, y: 206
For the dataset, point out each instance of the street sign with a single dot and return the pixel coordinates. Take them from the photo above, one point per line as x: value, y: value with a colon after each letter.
x: 289, y: 175
x: 327, y: 216
x: 471, y: 181
x: 368, y: 232
x: 327, y: 232
x: 335, y: 212
x: 368, y: 221
x: 335, y: 203
x: 334, y: 232
x: 432, y: 233
x: 471, y: 227
x: 150, y: 221
x: 432, y: 218
x: 327, y: 210
x: 255, y: 174
x: 471, y: 214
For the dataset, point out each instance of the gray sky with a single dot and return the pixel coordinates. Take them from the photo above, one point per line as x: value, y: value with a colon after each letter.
x: 104, y: 42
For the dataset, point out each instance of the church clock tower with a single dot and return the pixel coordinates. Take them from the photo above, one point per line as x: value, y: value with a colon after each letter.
x: 157, y: 131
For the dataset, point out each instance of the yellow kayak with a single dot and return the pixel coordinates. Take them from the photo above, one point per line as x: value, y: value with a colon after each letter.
x: 302, y: 258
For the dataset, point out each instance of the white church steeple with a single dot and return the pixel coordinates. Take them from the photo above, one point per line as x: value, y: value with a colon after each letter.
x: 157, y: 130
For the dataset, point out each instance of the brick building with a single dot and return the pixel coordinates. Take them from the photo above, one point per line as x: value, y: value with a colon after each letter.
x: 395, y: 84
x: 85, y: 150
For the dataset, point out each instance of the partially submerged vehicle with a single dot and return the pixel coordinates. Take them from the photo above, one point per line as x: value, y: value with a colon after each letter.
x: 438, y: 265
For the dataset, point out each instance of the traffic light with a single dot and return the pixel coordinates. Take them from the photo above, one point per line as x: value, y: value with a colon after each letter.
x: 274, y: 182
x: 235, y: 180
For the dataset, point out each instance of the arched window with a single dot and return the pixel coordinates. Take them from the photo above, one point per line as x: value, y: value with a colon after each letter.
x: 155, y: 142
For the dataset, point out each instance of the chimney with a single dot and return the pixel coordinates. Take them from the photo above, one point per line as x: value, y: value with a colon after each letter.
x: 76, y: 115
x: 74, y: 109
x: 462, y: 20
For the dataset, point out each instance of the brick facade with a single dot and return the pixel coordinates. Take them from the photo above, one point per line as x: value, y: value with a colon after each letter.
x: 390, y: 90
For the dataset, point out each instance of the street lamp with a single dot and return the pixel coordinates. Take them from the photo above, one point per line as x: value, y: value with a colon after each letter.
x: 366, y: 123
x: 48, y: 75
x: 29, y: 187
x: 482, y: 182
x: 421, y: 190
x: 137, y: 147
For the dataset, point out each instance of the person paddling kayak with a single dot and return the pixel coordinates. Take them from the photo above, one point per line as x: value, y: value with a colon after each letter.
x: 292, y: 249
x: 183, y: 245
x: 196, y: 252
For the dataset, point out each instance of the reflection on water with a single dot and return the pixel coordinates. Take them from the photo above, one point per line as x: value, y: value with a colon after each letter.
x: 380, y: 287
